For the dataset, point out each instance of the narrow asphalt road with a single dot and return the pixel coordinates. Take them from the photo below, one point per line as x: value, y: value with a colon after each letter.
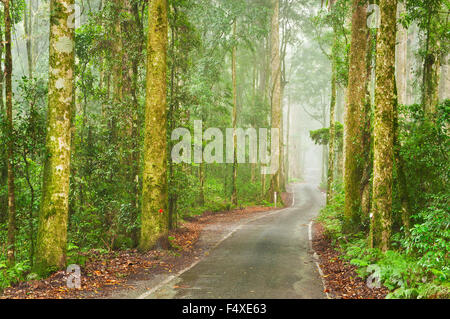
x: 269, y: 257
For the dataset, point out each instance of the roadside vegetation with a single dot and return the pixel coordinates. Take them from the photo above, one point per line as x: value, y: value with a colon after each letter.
x: 417, y: 265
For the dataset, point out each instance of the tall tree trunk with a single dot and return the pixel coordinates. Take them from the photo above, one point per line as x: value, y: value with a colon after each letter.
x: 28, y: 36
x: 9, y: 116
x: 288, y: 146
x: 331, y: 150
x: 53, y: 215
x: 171, y: 117
x: 385, y: 96
x: 4, y: 148
x: 401, y: 177
x: 263, y: 92
x: 444, y: 83
x: 275, y: 90
x: 355, y: 118
x: 402, y: 58
x: 154, y: 217
x: 201, y: 177
x: 130, y: 88
x: 367, y: 138
x: 234, y: 199
x: 431, y: 70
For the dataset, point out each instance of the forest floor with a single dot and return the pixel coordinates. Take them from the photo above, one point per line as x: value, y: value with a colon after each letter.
x: 340, y: 277
x: 103, y: 274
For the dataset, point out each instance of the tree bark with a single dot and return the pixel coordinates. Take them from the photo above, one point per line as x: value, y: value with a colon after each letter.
x: 53, y: 215
x: 355, y: 117
x: 154, y: 217
x: 385, y: 100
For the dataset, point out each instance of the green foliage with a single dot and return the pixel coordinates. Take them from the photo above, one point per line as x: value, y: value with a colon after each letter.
x: 419, y: 265
x: 14, y: 274
x: 322, y: 136
x: 74, y: 255
x: 418, y: 269
x: 332, y: 215
x: 431, y: 17
x: 172, y: 243
x: 429, y: 239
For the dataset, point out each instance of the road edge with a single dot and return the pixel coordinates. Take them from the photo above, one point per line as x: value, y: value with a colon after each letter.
x: 316, y: 259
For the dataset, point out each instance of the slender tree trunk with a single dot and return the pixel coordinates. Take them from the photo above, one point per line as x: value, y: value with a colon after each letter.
x: 253, y: 166
x: 282, y: 177
x: 154, y: 217
x: 444, y: 85
x: 402, y: 58
x: 367, y: 138
x: 324, y: 164
x: 11, y: 192
x: 412, y: 33
x: 263, y: 91
x: 4, y: 148
x: 431, y: 70
x: 201, y: 177
x: 28, y: 37
x: 275, y: 92
x: 31, y: 208
x: 331, y: 150
x: 355, y: 117
x: 53, y: 215
x: 385, y: 96
x: 288, y: 146
x: 234, y: 199
x: 118, y: 53
x: 130, y: 87
x: 401, y: 177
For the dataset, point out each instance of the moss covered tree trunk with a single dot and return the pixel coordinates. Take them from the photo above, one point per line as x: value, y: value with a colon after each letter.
x: 53, y: 215
x: 385, y: 104
x: 355, y: 118
x: 10, y: 156
x: 154, y: 216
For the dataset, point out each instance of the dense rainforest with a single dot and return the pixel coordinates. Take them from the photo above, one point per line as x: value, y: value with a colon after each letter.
x: 99, y: 100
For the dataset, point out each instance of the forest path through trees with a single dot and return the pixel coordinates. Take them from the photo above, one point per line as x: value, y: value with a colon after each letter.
x: 269, y: 257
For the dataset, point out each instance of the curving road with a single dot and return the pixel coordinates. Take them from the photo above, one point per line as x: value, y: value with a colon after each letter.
x: 269, y: 257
